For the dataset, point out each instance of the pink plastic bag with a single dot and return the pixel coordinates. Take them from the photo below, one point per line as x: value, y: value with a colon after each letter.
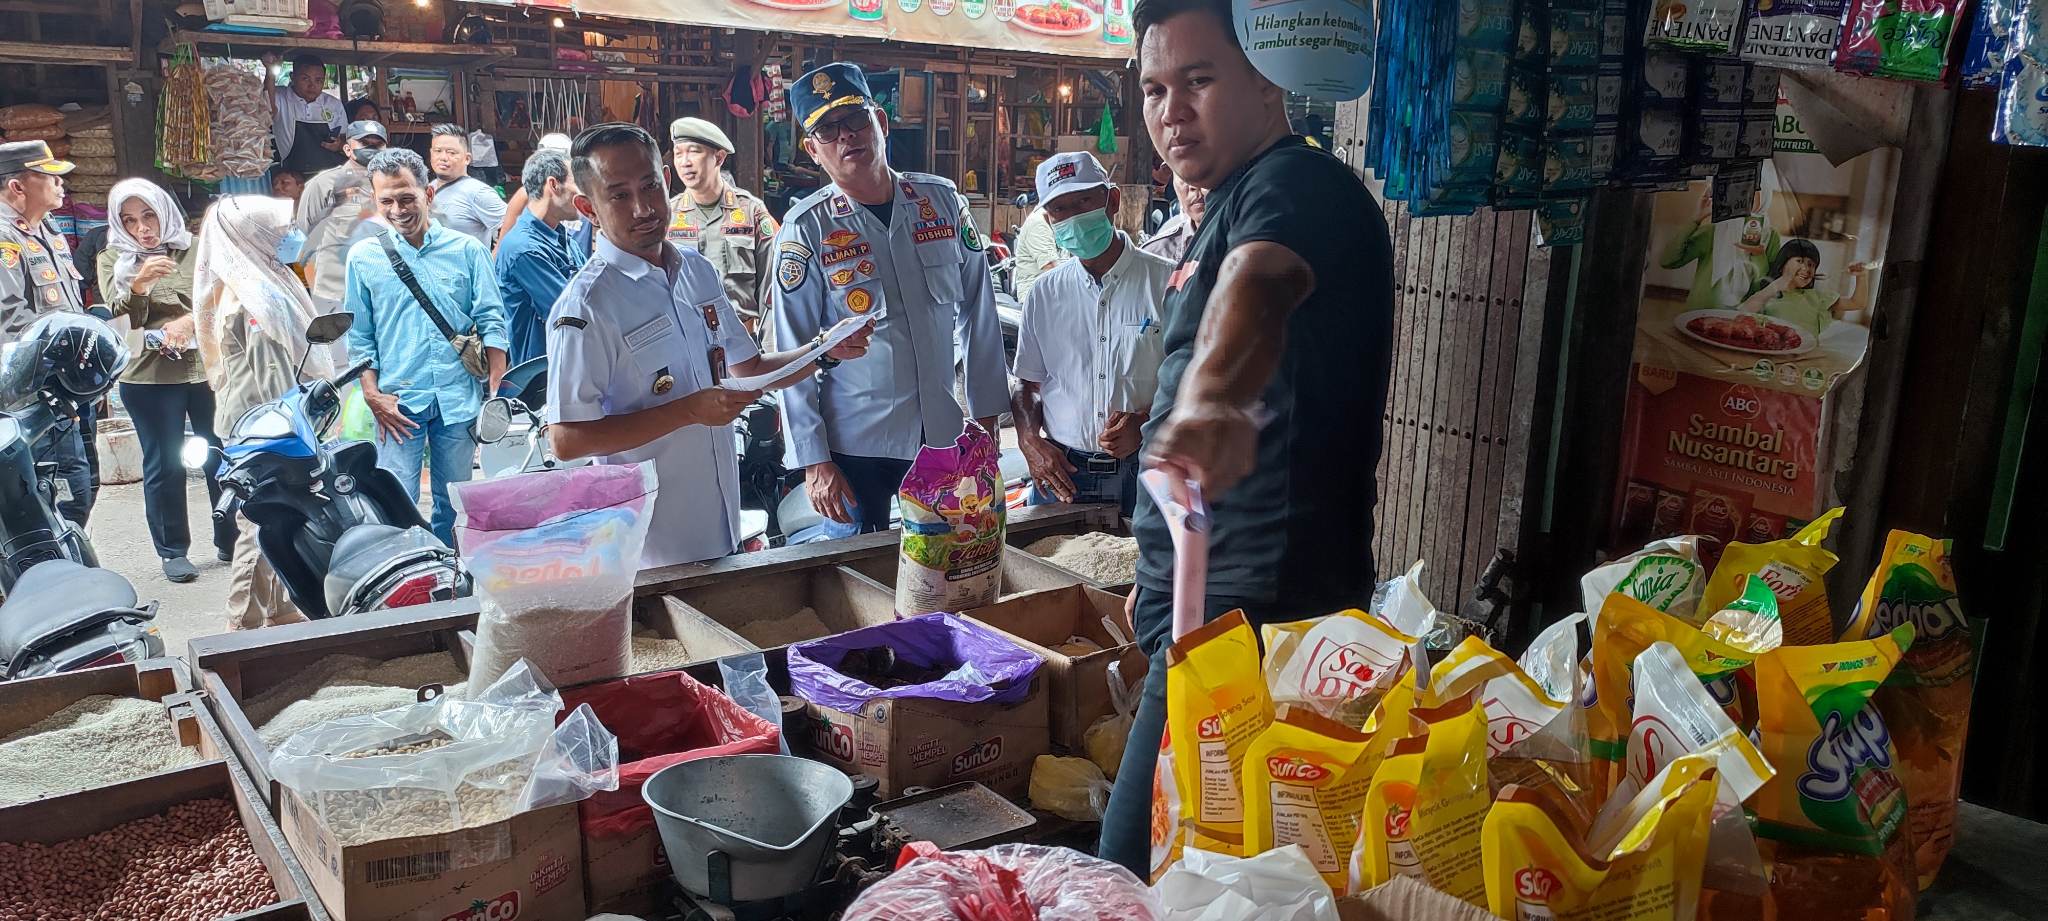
x: 1008, y: 882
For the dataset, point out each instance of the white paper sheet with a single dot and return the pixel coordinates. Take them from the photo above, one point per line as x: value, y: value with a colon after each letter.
x: 840, y: 332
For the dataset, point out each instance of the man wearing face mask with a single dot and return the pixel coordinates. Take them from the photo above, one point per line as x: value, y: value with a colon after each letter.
x: 1089, y: 346
x: 335, y: 212
x: 899, y: 246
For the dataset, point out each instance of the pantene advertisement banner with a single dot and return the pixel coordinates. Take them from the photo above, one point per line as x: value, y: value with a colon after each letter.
x: 1745, y: 325
x: 1085, y: 28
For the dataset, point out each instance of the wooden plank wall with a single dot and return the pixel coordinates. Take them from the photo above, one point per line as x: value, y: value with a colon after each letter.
x: 1451, y: 469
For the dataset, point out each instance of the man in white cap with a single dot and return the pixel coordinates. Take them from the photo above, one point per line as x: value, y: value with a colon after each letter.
x: 1089, y: 346
x: 717, y: 218
x: 335, y: 211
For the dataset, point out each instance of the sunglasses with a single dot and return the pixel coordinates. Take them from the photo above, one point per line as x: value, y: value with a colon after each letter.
x: 833, y: 131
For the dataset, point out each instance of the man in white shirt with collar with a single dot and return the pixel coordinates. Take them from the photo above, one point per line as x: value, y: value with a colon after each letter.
x: 306, y: 120
x: 639, y: 342
x: 462, y: 203
x: 1089, y: 346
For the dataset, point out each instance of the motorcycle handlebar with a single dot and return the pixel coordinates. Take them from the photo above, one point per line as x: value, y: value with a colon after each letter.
x: 356, y: 370
x: 225, y: 508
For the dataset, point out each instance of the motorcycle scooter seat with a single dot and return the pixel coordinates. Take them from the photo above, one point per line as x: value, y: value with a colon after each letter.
x: 59, y: 596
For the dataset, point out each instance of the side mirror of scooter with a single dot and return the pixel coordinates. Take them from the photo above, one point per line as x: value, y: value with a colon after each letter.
x: 329, y: 327
x: 493, y: 421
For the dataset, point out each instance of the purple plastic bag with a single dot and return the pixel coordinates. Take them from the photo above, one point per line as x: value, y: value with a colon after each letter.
x: 1001, y: 669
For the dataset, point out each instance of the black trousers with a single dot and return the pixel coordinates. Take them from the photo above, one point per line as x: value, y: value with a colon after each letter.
x: 160, y: 413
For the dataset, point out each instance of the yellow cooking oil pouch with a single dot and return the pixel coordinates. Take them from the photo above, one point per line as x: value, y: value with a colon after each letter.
x: 1532, y: 737
x: 1794, y: 569
x: 1624, y: 629
x: 1306, y: 779
x: 1926, y: 701
x: 1427, y: 802
x: 1833, y: 819
x: 1216, y: 704
x: 1644, y: 863
x: 1339, y: 666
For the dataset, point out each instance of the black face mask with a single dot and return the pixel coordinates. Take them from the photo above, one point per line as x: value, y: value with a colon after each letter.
x: 363, y: 155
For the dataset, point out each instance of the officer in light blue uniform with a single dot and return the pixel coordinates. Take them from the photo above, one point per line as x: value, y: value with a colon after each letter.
x: 899, y: 246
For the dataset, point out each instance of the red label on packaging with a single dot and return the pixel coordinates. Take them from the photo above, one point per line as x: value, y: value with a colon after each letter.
x: 502, y: 908
x: 978, y: 756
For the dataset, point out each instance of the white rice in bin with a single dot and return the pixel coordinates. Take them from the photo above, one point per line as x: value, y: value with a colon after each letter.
x: 97, y: 741
x: 1101, y: 558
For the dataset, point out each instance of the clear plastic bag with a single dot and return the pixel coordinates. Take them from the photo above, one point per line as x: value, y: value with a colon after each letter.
x: 1105, y: 737
x: 1008, y: 882
x: 448, y: 763
x: 746, y: 682
x: 554, y: 555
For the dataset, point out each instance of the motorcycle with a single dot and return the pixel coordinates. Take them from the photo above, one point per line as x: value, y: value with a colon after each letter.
x: 510, y: 432
x: 61, y: 612
x: 340, y: 532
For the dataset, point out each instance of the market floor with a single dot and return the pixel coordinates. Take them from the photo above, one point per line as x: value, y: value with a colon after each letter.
x: 122, y: 541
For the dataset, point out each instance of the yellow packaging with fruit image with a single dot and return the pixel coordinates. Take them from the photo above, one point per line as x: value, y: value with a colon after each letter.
x: 1427, y: 801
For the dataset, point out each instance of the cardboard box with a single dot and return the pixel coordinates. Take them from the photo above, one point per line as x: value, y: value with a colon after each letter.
x: 1042, y: 620
x: 913, y: 742
x: 842, y: 598
x: 75, y: 815
x: 527, y: 866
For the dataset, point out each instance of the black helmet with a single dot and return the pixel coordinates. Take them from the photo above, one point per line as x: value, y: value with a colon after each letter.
x: 78, y: 357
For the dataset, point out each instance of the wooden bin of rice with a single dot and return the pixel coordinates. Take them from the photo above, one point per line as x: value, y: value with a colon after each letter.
x: 264, y: 685
x: 191, y: 843
x: 1106, y: 559
x: 86, y: 729
x: 776, y: 609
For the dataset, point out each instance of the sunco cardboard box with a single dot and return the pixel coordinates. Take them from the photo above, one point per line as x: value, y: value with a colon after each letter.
x: 1046, y: 620
x: 527, y: 867
x: 918, y: 742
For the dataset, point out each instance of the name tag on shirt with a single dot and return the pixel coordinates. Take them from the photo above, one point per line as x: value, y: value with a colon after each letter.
x: 647, y: 333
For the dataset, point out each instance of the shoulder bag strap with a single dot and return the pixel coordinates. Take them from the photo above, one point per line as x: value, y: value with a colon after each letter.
x: 413, y: 284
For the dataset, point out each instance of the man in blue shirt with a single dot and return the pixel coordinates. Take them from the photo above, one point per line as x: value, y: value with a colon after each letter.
x: 422, y: 397
x: 536, y: 259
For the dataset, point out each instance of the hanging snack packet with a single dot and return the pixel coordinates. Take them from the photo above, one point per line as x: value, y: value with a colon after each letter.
x: 1339, y: 666
x: 1793, y: 33
x: 1706, y: 26
x: 1644, y: 864
x: 1666, y: 575
x: 1427, y: 802
x: 1926, y: 702
x: 1900, y: 40
x: 1216, y: 704
x: 1793, y: 569
x: 1306, y: 779
x: 1834, y: 817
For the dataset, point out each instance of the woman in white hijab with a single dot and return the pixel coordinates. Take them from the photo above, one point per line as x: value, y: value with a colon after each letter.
x: 252, y: 316
x: 145, y: 274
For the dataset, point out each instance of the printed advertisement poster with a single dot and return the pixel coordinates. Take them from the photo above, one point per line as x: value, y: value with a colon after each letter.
x: 1743, y: 328
x: 1084, y: 28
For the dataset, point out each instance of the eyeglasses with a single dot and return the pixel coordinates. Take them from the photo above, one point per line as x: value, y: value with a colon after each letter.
x: 833, y: 131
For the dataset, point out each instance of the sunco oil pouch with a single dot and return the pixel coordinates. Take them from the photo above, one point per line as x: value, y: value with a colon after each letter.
x: 1216, y: 704
x: 1626, y: 628
x: 1306, y: 779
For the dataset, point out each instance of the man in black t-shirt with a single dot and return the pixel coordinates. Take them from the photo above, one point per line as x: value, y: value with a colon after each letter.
x: 1278, y: 347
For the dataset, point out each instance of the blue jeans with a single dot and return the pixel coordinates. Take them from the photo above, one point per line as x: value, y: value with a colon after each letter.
x: 1127, y: 822
x: 1119, y: 485
x: 874, y: 481
x: 454, y: 459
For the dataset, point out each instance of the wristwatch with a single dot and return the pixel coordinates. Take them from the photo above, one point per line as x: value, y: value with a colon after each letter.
x: 825, y: 362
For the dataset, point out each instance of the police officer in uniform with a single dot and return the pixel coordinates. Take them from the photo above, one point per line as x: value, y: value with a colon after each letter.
x: 37, y: 276
x: 717, y: 218
x: 639, y: 343
x: 900, y: 246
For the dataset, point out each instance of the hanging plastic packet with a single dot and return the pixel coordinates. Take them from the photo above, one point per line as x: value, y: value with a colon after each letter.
x: 1626, y: 628
x: 1990, y: 43
x: 1306, y: 779
x: 1216, y: 704
x: 1562, y: 222
x: 1665, y: 575
x: 1899, y: 40
x: 1644, y: 863
x: 1926, y: 702
x: 1427, y: 802
x: 2023, y: 89
x: 1704, y: 26
x: 1793, y: 569
x: 1793, y: 33
x: 1338, y: 666
x: 1834, y: 817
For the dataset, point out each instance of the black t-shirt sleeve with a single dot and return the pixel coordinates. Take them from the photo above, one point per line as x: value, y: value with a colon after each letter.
x: 1303, y: 199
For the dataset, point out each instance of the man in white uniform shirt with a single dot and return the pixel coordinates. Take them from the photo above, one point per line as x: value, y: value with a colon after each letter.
x: 639, y: 342
x: 462, y: 203
x: 306, y: 120
x: 1089, y: 346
